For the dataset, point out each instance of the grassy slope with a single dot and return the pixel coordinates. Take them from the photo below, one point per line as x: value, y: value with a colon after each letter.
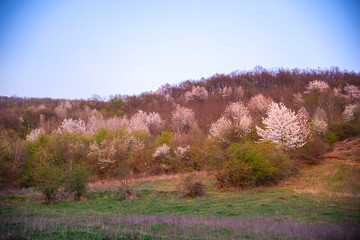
x: 325, y: 194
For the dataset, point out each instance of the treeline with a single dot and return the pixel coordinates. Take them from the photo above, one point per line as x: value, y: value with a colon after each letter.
x: 247, y: 128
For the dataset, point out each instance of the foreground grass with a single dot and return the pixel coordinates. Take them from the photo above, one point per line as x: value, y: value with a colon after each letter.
x: 321, y: 203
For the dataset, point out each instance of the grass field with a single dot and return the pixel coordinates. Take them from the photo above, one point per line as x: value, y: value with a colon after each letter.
x: 323, y: 202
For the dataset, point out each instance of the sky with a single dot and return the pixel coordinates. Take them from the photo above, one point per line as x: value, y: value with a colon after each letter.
x: 76, y: 48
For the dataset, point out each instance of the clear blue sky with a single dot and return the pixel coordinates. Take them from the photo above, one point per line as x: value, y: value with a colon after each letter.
x: 77, y: 48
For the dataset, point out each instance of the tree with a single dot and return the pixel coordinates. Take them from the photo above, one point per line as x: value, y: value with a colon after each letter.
x: 317, y: 85
x: 235, y: 123
x: 259, y: 104
x: 183, y: 119
x: 196, y: 94
x: 283, y: 127
x: 47, y: 174
x: 319, y: 123
x: 77, y: 180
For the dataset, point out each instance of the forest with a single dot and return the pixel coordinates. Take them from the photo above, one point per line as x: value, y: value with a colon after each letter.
x: 261, y: 154
x: 246, y: 128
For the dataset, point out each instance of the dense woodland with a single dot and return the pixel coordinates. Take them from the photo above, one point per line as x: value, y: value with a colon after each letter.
x: 230, y: 125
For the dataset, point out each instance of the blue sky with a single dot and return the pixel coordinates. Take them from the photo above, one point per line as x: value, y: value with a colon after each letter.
x: 77, y: 48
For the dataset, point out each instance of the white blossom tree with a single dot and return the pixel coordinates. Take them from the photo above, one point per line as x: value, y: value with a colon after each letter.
x: 116, y: 123
x: 63, y: 108
x: 227, y: 91
x: 95, y: 121
x: 151, y: 122
x: 350, y: 112
x: 196, y: 94
x: 352, y: 93
x: 317, y: 85
x: 283, y: 127
x: 162, y: 151
x: 70, y: 125
x: 235, y: 123
x: 319, y: 123
x: 183, y: 119
x: 259, y: 104
x: 34, y: 134
x: 182, y: 152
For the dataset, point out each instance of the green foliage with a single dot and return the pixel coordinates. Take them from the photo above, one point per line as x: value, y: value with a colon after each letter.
x: 165, y: 137
x: 311, y: 153
x: 331, y: 138
x: 100, y: 135
x: 48, y: 176
x: 249, y: 165
x: 344, y: 130
x: 77, y: 180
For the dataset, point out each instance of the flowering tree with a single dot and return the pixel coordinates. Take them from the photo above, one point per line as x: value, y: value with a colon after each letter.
x: 104, y: 153
x: 235, y: 123
x: 317, y: 85
x: 298, y: 100
x: 197, y: 93
x: 183, y: 119
x: 70, y: 125
x: 62, y: 109
x: 95, y: 121
x: 116, y: 123
x: 259, y: 104
x: 350, y: 112
x: 239, y: 92
x: 34, y: 134
x: 227, y: 91
x: 162, y: 151
x: 282, y: 127
x: 151, y: 122
x: 319, y: 123
x: 182, y: 152
x: 220, y: 130
x: 352, y: 93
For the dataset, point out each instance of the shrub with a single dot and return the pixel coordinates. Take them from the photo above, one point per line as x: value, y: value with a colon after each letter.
x: 344, y: 130
x: 189, y: 187
x: 125, y: 193
x: 249, y: 165
x: 312, y: 152
x: 47, y: 174
x: 76, y: 181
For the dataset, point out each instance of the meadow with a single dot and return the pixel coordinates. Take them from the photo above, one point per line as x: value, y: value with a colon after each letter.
x: 321, y: 202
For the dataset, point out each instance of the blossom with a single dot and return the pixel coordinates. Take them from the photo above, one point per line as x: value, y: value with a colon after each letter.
x: 283, y: 127
x: 350, y: 112
x: 352, y: 93
x: 182, y: 152
x: 317, y: 85
x: 259, y: 103
x: 34, y: 134
x: 235, y: 123
x: 197, y: 93
x: 62, y: 109
x: 183, y: 119
x: 319, y: 123
x: 70, y: 125
x: 162, y: 151
x: 151, y: 122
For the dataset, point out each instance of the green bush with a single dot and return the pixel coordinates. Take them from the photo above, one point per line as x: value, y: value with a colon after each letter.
x: 249, y: 165
x: 312, y: 152
x: 47, y: 174
x: 165, y: 137
x: 77, y: 180
x: 344, y: 130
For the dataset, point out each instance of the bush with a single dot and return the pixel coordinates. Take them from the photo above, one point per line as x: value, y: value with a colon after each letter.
x: 311, y: 153
x: 344, y: 130
x: 250, y: 165
x: 125, y: 193
x: 189, y: 187
x: 76, y: 181
x: 47, y: 174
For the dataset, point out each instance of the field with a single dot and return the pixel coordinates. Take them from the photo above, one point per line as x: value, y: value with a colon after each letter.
x: 322, y: 202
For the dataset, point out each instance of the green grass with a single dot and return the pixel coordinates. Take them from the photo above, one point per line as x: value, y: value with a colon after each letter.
x: 323, y: 194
